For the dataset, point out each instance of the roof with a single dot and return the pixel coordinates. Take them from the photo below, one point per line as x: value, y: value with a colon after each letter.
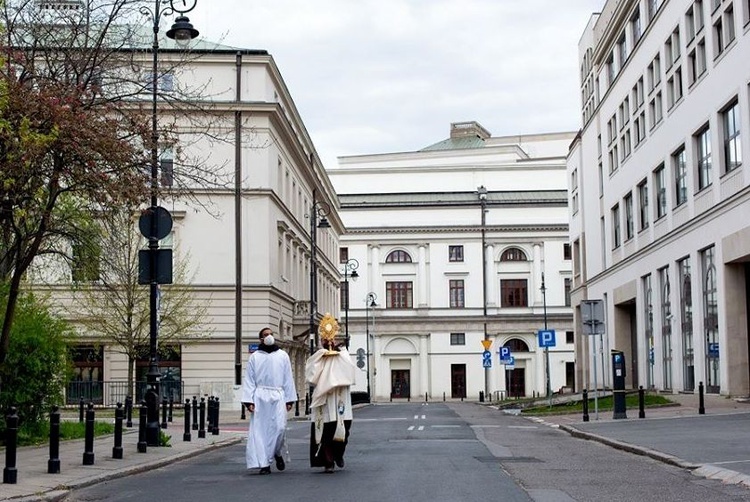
x: 535, y: 197
x: 465, y: 143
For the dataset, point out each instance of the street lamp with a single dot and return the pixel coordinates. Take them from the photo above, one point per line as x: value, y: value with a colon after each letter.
x: 158, y: 223
x: 350, y: 270
x: 482, y: 193
x: 318, y: 212
x: 546, y: 348
x: 369, y: 304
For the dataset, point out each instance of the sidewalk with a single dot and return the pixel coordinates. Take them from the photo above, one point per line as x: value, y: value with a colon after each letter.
x: 35, y: 484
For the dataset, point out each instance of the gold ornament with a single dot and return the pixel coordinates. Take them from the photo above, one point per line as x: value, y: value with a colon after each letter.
x: 329, y: 328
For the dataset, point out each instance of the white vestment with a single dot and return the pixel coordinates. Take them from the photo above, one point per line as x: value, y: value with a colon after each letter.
x: 332, y: 376
x: 269, y: 385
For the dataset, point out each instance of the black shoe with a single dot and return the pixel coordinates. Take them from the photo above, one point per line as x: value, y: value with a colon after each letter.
x: 340, y: 462
x: 280, y: 465
x: 265, y: 470
x: 328, y: 470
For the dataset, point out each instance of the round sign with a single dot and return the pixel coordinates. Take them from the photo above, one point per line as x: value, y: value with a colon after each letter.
x: 155, y: 222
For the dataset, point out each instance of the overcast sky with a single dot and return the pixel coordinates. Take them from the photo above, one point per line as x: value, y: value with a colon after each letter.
x: 379, y: 76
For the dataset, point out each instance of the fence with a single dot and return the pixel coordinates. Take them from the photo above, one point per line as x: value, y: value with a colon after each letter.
x: 109, y: 393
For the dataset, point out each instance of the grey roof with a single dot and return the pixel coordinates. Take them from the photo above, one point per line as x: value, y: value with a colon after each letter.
x: 465, y: 143
x: 535, y: 198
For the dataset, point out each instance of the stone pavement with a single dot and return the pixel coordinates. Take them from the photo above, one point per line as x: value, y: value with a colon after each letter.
x: 35, y: 484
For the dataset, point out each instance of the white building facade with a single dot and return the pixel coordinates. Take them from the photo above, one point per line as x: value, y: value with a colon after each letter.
x: 659, y: 194
x: 414, y: 236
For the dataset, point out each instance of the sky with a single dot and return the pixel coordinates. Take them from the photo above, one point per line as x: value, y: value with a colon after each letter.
x: 381, y: 76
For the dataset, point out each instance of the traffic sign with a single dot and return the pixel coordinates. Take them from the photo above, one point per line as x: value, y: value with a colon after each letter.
x: 487, y: 359
x: 504, y: 353
x: 592, y: 317
x: 510, y: 364
x: 487, y: 344
x: 546, y: 337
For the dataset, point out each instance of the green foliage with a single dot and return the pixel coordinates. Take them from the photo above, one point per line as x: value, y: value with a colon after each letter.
x: 164, y: 439
x: 37, y: 433
x: 37, y: 367
x: 604, y: 404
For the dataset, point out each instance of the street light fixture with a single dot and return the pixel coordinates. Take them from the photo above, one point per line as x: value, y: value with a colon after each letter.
x: 318, y: 212
x: 350, y: 270
x: 546, y: 349
x: 369, y: 304
x: 182, y: 31
x: 482, y: 193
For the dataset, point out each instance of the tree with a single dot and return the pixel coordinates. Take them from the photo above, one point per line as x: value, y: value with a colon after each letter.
x: 112, y: 304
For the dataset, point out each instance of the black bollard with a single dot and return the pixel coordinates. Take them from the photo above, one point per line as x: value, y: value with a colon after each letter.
x: 244, y: 417
x: 142, y: 419
x: 307, y: 403
x: 186, y: 436
x: 481, y: 396
x: 425, y: 397
x: 117, y: 448
x: 171, y: 409
x: 163, y: 424
x: 296, y: 407
x: 202, y: 413
x: 81, y: 407
x: 194, y: 408
x: 585, y: 405
x: 641, y: 403
x: 215, y: 430
x: 88, y: 448
x: 10, y: 474
x: 210, y: 415
x: 443, y: 396
x: 701, y: 403
x: 53, y: 464
x: 129, y: 411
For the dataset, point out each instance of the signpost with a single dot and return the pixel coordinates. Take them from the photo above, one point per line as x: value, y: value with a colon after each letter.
x: 592, y: 316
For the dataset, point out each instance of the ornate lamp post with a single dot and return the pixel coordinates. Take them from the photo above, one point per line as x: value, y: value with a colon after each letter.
x: 482, y: 193
x: 369, y: 304
x: 158, y: 222
x: 350, y: 270
x: 546, y: 349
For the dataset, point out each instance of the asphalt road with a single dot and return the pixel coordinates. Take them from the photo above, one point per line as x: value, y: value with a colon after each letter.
x: 436, y: 452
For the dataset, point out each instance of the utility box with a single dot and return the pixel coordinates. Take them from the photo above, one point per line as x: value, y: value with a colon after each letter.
x: 618, y: 383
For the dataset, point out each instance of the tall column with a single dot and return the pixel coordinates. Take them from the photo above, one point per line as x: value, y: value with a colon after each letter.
x: 424, y: 364
x: 422, y: 291
x: 376, y: 281
x: 491, y: 277
x: 375, y: 361
x: 536, y: 279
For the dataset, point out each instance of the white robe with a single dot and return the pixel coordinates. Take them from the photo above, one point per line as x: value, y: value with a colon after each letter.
x: 269, y: 385
x: 332, y: 376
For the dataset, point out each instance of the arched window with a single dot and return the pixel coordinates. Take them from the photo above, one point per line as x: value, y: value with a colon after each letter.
x: 516, y: 345
x: 513, y: 254
x: 398, y: 256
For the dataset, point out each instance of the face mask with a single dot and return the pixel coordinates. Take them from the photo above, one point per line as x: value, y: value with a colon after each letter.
x: 269, y: 340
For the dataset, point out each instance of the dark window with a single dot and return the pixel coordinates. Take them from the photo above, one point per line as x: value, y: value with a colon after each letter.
x: 516, y: 345
x: 458, y: 339
x: 455, y: 253
x: 456, y: 293
x: 398, y: 256
x: 514, y: 293
x: 167, y: 172
x: 566, y: 251
x: 569, y: 337
x: 343, y: 255
x: 513, y: 254
x: 568, y: 282
x: 399, y: 295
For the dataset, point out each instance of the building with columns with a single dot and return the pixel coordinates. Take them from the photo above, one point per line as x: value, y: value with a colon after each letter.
x: 660, y: 194
x: 426, y: 296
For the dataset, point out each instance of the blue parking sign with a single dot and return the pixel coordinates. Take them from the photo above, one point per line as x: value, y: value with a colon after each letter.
x: 546, y: 337
x: 504, y: 353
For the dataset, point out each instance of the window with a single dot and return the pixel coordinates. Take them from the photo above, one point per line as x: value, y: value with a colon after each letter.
x: 399, y: 295
x: 732, y: 146
x: 566, y: 251
x: 513, y: 254
x: 697, y: 62
x: 566, y: 293
x: 653, y: 7
x: 514, y: 293
x: 655, y: 109
x: 398, y: 256
x: 729, y: 30
x: 458, y: 338
x: 635, y: 26
x: 718, y: 38
x: 629, y: 217
x: 456, y: 287
x: 660, y: 185
x: 680, y: 176
x: 569, y: 337
x: 166, y: 167
x: 703, y: 140
x: 616, y: 235
x: 455, y: 253
x: 166, y: 82
x: 643, y: 205
x: 343, y: 255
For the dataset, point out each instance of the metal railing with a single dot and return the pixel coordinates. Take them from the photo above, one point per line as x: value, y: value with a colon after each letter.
x: 109, y: 393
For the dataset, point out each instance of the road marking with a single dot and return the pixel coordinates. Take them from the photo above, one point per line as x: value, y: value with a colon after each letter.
x: 380, y: 419
x: 421, y: 428
x: 411, y: 428
x: 485, y: 426
x: 731, y: 462
x: 522, y: 427
x: 424, y: 417
x: 446, y: 426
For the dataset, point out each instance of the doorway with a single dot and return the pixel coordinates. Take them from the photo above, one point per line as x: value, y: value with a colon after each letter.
x: 400, y: 383
x: 517, y: 382
x: 458, y: 381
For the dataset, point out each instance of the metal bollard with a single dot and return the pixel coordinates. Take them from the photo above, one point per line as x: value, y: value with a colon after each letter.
x: 210, y: 415
x: 81, y: 407
x: 171, y: 408
x: 443, y: 396
x: 142, y: 419
x: 163, y: 424
x: 186, y: 436
x: 425, y: 397
x: 481, y: 396
x: 307, y: 403
x: 585, y: 405
x: 194, y: 408
x: 129, y: 411
x: 53, y: 464
x: 202, y: 413
x: 641, y: 403
x: 117, y: 448
x: 88, y: 448
x: 296, y: 407
x: 215, y: 430
x: 701, y: 403
x: 10, y: 473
